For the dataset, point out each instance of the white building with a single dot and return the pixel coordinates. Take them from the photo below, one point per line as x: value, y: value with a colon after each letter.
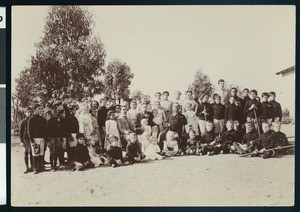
x: 287, y: 90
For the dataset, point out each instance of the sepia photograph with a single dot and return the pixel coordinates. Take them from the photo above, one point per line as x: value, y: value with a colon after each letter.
x: 153, y: 105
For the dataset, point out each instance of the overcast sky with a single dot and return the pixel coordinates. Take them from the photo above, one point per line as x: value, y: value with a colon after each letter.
x: 165, y: 45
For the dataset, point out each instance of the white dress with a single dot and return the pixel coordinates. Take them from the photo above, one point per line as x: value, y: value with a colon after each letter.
x: 85, y: 124
x: 111, y: 129
x: 151, y: 152
x: 192, y: 119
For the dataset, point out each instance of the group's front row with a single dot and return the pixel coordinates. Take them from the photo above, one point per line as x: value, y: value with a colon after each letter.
x: 87, y: 154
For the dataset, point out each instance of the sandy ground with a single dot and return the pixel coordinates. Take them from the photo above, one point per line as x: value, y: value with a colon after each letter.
x: 222, y: 180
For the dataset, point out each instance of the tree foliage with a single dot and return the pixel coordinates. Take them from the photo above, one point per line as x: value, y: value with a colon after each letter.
x: 117, y: 80
x: 68, y: 57
x: 138, y: 95
x: 201, y: 85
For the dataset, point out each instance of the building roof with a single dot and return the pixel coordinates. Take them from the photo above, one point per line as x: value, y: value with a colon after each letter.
x: 287, y: 70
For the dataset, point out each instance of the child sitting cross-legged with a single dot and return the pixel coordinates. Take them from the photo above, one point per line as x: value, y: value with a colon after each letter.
x: 208, y: 142
x: 192, y: 144
x: 96, y: 159
x: 227, y: 139
x: 82, y: 158
x: 133, y: 149
x: 267, y: 141
x: 114, y: 153
x: 170, y: 145
x: 250, y: 140
x: 153, y: 150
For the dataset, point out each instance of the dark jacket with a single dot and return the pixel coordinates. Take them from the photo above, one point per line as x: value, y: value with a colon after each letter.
x: 219, y: 111
x: 133, y: 150
x: 57, y: 128
x: 177, y: 122
x: 142, y: 115
x: 23, y: 129
x: 250, y: 113
x: 250, y: 136
x: 72, y: 124
x: 233, y: 112
x: 267, y: 110
x: 208, y: 137
x: 209, y: 110
x: 36, y: 127
x: 267, y: 140
x: 277, y: 112
x: 102, y: 115
x: 81, y: 153
x: 228, y: 137
x: 114, y: 152
x: 280, y: 139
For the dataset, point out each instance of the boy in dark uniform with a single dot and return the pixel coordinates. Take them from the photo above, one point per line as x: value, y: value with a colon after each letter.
x: 204, y: 112
x: 233, y: 111
x: 37, y: 136
x: 114, y: 153
x: 177, y: 123
x: 227, y: 139
x: 267, y: 141
x: 219, y: 115
x: 250, y: 141
x: 57, y: 134
x: 252, y: 109
x: 277, y: 112
x: 25, y: 141
x: 279, y: 137
x: 133, y: 149
x: 208, y: 140
x: 267, y: 109
x: 73, y: 129
x: 82, y: 158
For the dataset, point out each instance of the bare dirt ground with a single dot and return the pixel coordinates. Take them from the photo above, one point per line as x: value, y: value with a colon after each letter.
x: 222, y: 180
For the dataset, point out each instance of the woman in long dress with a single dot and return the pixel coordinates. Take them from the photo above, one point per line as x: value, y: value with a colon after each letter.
x: 85, y: 121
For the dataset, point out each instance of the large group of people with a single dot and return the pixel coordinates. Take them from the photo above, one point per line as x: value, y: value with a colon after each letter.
x: 92, y: 133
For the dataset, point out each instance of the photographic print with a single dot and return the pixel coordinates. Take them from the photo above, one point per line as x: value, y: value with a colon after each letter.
x: 153, y: 106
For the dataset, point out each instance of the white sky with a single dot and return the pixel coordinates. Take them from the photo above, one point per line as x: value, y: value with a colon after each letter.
x: 165, y: 45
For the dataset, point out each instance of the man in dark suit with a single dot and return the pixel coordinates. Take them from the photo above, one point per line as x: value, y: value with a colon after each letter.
x: 143, y: 114
x: 124, y: 126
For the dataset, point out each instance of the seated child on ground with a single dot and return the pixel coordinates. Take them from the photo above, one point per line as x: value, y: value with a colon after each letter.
x: 153, y: 150
x: 250, y: 140
x: 185, y: 136
x: 133, y: 149
x: 81, y: 155
x: 267, y: 141
x: 114, y: 153
x: 227, y: 139
x: 96, y: 159
x: 208, y: 141
x: 171, y: 145
x: 239, y: 131
x: 280, y: 137
x: 192, y: 144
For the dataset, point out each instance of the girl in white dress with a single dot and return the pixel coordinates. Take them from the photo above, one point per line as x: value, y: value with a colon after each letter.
x: 85, y: 121
x: 153, y: 150
x: 132, y: 112
x: 191, y: 118
x: 111, y: 129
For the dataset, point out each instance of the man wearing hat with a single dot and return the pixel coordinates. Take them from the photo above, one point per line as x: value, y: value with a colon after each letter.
x: 25, y: 141
x: 37, y: 136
